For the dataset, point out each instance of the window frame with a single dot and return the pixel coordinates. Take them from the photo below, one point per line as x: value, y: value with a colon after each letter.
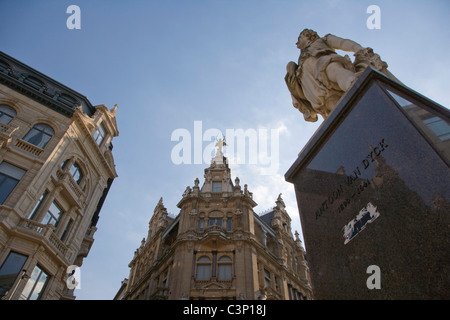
x: 10, y: 264
x: 224, y: 268
x: 205, y: 268
x: 267, y: 278
x: 229, y: 224
x: 74, y: 170
x: 4, y: 113
x: 216, y: 186
x: 6, y: 176
x: 35, y: 282
x: 99, y: 132
x: 52, y: 216
x: 39, y: 132
x: 213, y: 222
x: 38, y: 205
x: 201, y: 225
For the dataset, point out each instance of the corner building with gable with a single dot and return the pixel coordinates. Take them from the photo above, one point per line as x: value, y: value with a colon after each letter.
x: 218, y: 248
x: 56, y: 168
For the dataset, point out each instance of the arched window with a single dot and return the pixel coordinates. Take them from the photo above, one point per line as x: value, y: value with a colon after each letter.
x: 39, y: 135
x: 203, y: 268
x: 6, y: 114
x: 224, y: 268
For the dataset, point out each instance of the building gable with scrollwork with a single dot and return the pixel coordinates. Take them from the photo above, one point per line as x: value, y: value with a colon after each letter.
x: 217, y: 247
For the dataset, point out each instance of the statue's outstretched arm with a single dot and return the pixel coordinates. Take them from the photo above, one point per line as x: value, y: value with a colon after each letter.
x: 342, y: 44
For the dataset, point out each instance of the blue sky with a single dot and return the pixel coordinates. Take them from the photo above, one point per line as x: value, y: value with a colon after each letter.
x: 170, y: 63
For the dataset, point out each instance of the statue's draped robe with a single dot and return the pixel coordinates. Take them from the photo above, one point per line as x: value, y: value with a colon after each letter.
x: 321, y: 93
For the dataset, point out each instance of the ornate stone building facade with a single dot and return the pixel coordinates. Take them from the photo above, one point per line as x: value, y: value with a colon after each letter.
x: 56, y: 167
x: 218, y: 247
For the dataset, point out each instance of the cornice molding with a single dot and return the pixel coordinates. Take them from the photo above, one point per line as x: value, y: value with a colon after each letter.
x: 41, y: 88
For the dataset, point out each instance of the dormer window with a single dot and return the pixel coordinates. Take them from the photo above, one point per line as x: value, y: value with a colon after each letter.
x: 216, y: 186
x: 99, y: 135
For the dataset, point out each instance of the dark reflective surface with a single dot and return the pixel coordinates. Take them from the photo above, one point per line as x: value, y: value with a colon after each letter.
x: 379, y: 156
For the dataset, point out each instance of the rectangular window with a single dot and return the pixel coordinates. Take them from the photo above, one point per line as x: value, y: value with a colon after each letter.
x: 203, y: 268
x: 9, y: 271
x: 229, y: 225
x: 215, y: 221
x: 53, y: 214
x: 35, y: 286
x: 66, y: 230
x: 9, y: 177
x: 217, y: 186
x: 266, y: 278
x: 201, y: 225
x: 224, y: 268
x: 38, y: 204
x: 99, y: 135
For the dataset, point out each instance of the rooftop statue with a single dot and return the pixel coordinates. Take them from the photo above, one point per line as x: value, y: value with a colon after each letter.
x: 321, y: 76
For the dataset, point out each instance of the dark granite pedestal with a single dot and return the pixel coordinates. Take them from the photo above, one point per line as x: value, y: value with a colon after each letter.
x: 373, y: 192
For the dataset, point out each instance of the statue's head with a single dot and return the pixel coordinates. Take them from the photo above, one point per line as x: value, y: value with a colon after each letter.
x: 305, y: 37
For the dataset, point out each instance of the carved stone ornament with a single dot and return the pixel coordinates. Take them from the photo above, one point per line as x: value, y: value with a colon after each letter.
x: 321, y: 76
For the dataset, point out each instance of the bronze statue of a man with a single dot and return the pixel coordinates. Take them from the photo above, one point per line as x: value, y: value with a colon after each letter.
x: 322, y: 76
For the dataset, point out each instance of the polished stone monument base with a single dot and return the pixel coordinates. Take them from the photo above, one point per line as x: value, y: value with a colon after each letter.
x: 373, y: 192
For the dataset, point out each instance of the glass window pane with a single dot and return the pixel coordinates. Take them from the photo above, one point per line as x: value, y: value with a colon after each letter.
x: 44, y: 128
x: 204, y: 259
x: 6, y: 114
x: 35, y: 285
x: 99, y: 135
x: 39, y: 135
x: 11, y: 170
x: 9, y: 271
x: 39, y: 286
x: 203, y: 272
x: 217, y: 187
x: 225, y: 259
x: 7, y: 185
x: 229, y: 225
x: 30, y: 284
x: 215, y: 221
x: 76, y: 172
x: 224, y: 271
x: 203, y: 268
x: 36, y: 207
x: 9, y: 177
x: 53, y: 214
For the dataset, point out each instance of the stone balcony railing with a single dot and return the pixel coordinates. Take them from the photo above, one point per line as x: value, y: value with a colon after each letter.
x: 28, y: 147
x: 46, y: 232
x: 70, y: 184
